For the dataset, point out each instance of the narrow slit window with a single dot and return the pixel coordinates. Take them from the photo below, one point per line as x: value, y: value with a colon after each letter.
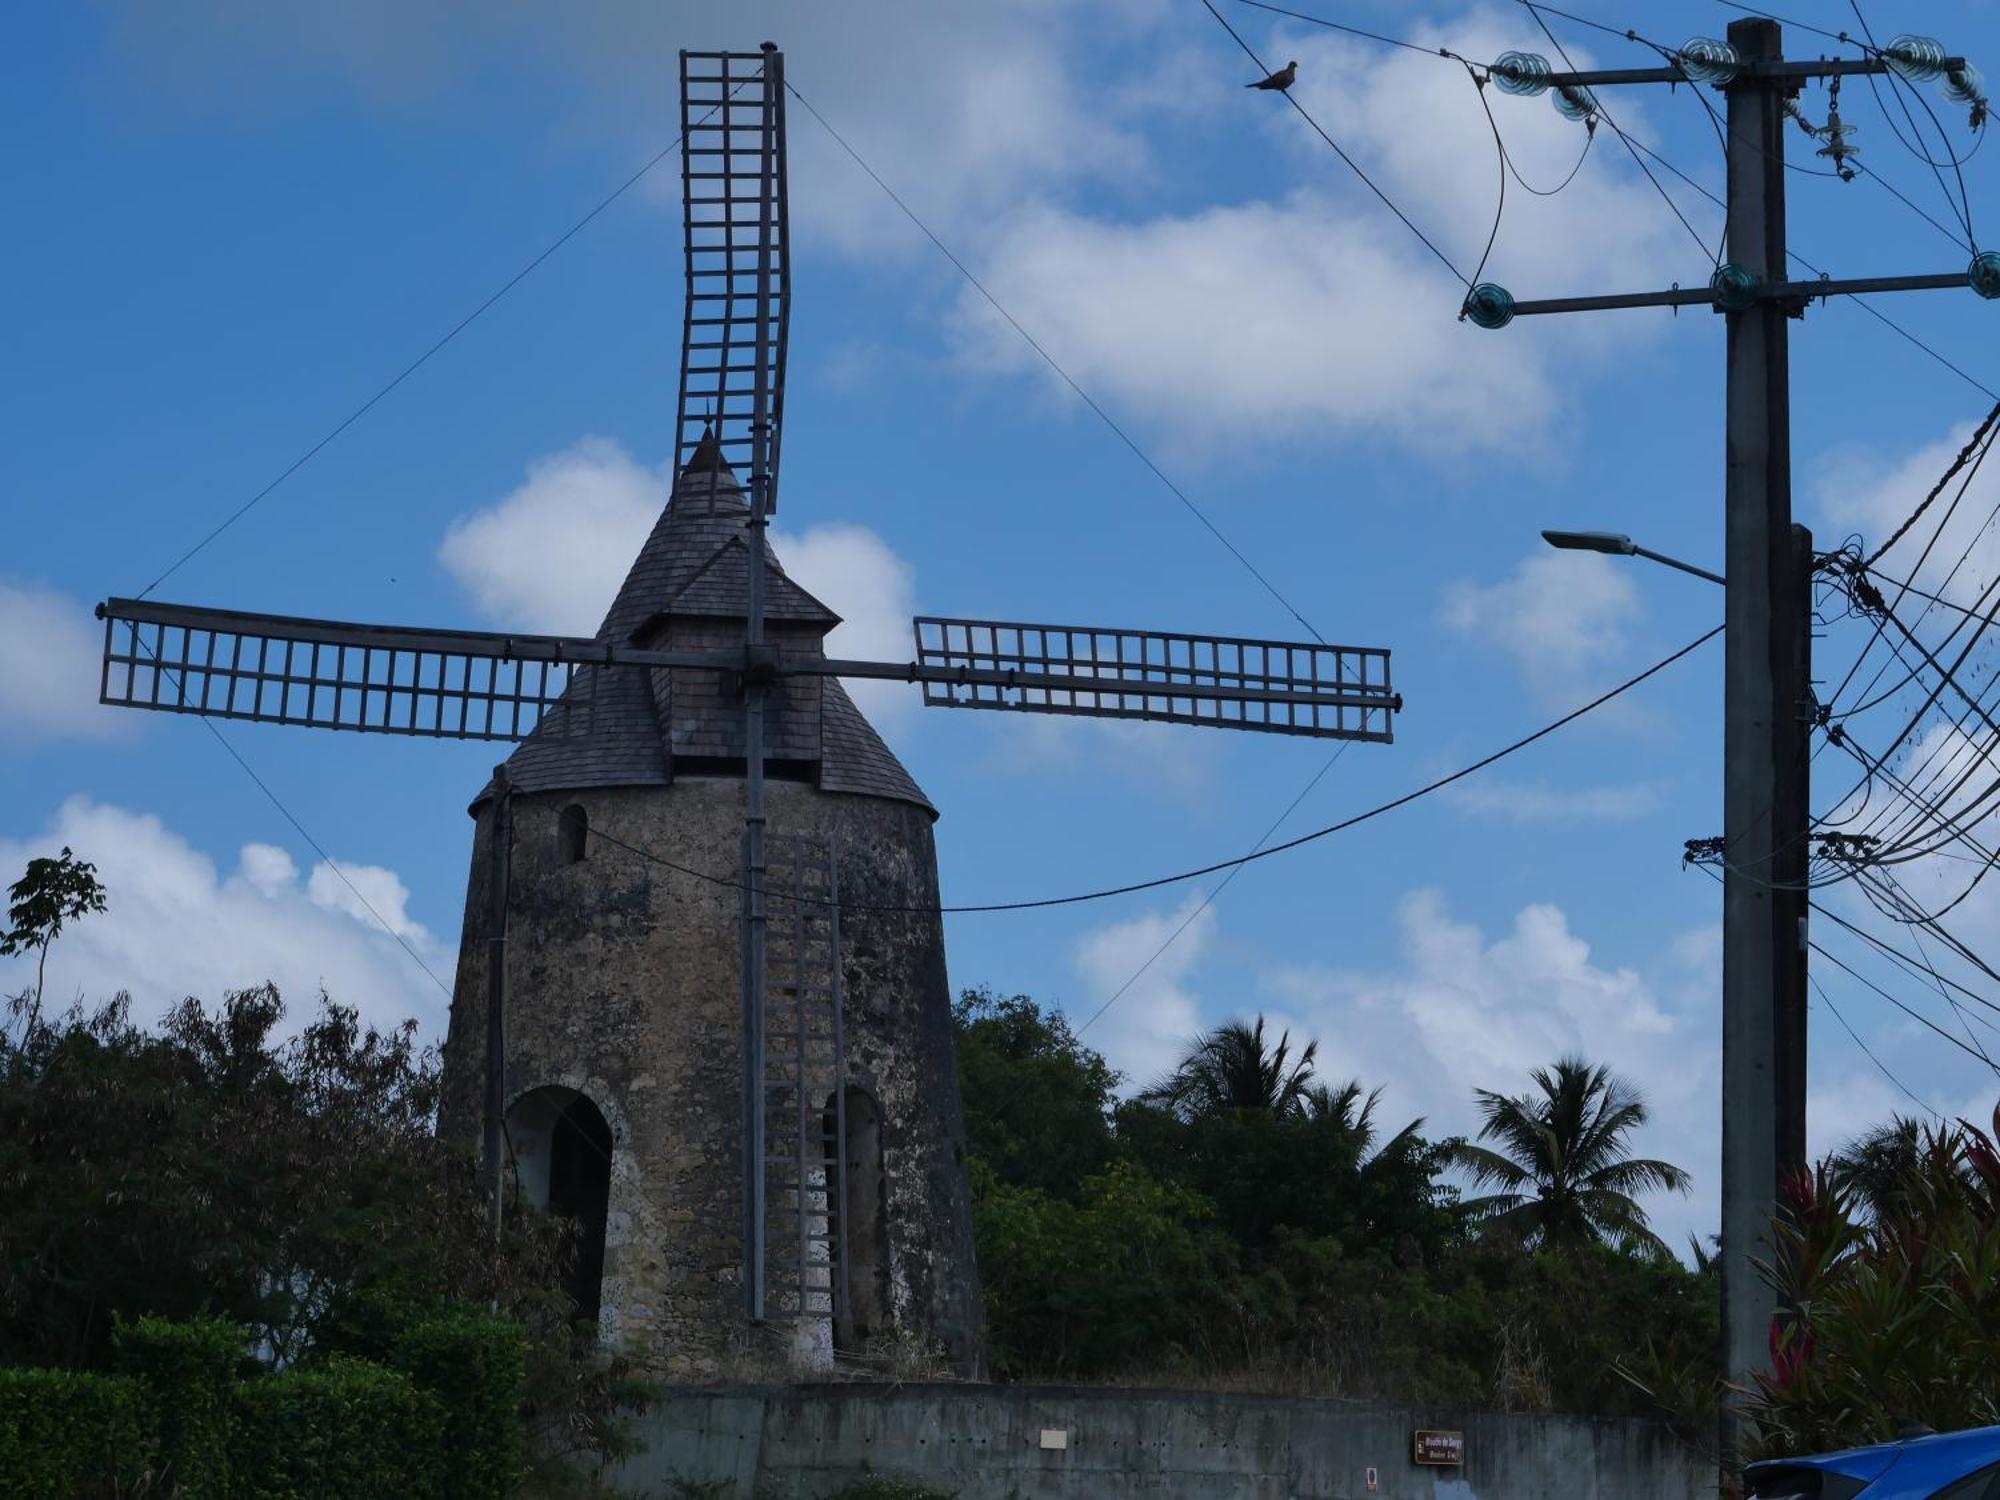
x: 573, y: 834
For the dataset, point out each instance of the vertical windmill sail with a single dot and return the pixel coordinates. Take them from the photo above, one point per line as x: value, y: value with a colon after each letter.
x: 736, y: 248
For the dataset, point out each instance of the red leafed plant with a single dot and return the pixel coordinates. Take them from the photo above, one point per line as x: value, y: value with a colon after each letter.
x: 1888, y: 1271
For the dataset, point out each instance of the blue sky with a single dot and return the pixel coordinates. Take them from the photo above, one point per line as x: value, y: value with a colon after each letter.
x: 236, y: 222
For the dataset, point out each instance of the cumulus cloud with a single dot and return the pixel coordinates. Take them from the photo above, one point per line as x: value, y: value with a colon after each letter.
x: 1562, y: 617
x: 1029, y: 128
x: 177, y: 925
x: 965, y: 106
x: 1319, y: 312
x: 549, y: 557
x: 1464, y: 1012
x: 49, y: 661
x: 1261, y: 318
x: 1145, y: 1032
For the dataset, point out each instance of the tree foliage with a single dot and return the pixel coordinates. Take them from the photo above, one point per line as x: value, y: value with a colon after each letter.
x: 50, y: 894
x: 293, y: 1185
x: 1562, y: 1167
x: 1246, y: 1221
x: 1892, y: 1305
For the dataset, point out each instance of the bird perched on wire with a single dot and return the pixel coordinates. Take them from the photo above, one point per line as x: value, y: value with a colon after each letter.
x: 1279, y: 81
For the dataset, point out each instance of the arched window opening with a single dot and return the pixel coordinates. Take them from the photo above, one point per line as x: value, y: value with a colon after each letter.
x: 573, y: 834
x: 860, y: 1238
x: 562, y: 1161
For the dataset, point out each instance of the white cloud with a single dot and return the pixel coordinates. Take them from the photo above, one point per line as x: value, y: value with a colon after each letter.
x: 1144, y: 1034
x: 964, y: 107
x: 874, y: 591
x: 1561, y: 616
x: 1539, y: 802
x: 366, y: 893
x: 1465, y: 1012
x: 1321, y: 312
x: 50, y: 650
x: 550, y: 556
x: 176, y: 925
x: 1261, y: 319
x: 1859, y: 490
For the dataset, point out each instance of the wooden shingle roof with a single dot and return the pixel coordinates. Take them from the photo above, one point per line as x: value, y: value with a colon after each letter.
x: 689, y: 586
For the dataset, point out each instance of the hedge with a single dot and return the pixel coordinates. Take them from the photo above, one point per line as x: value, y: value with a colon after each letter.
x: 346, y: 1430
x: 438, y: 1417
x: 191, y: 1368
x: 69, y: 1435
x: 476, y: 1365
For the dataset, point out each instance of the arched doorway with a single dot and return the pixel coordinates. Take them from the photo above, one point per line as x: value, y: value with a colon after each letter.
x: 860, y: 1243
x: 562, y: 1157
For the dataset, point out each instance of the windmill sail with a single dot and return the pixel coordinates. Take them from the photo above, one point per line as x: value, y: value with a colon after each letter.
x: 738, y: 259
x: 1227, y: 682
x: 328, y: 674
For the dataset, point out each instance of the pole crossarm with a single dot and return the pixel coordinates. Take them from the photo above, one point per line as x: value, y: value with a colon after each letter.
x: 1754, y: 72
x: 1795, y: 293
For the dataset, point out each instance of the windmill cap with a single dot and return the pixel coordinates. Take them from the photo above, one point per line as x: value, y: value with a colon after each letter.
x: 707, y: 456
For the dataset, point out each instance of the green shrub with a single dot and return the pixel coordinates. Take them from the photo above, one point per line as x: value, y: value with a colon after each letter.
x: 190, y: 1367
x: 66, y: 1435
x: 475, y: 1364
x: 343, y: 1431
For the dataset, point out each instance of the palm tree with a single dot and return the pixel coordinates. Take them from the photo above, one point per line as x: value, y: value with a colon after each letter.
x: 1564, y: 1176
x: 1879, y: 1166
x: 1232, y: 1068
x: 1351, y: 1113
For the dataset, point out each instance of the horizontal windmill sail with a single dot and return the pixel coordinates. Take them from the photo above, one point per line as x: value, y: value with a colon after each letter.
x: 1226, y: 682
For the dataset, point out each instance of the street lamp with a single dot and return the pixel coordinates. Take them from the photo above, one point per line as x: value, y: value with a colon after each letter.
x: 1620, y: 546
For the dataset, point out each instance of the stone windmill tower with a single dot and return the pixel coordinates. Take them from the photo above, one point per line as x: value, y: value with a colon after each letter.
x: 702, y: 1007
x: 623, y: 1068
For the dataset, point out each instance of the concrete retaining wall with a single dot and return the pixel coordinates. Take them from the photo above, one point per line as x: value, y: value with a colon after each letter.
x: 1058, y: 1443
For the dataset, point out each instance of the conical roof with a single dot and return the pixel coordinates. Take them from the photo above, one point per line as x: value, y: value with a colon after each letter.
x: 689, y: 589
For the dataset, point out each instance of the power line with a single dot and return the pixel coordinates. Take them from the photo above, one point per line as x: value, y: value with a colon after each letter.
x: 1209, y: 900
x: 1352, y: 165
x: 413, y: 366
x: 1855, y: 1036
x: 1243, y: 859
x: 1534, y: 11
x: 1050, y: 360
x: 1907, y: 1010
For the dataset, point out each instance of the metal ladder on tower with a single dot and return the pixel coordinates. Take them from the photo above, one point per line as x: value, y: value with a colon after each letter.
x: 804, y: 1072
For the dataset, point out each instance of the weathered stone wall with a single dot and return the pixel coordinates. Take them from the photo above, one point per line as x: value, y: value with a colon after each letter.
x: 977, y: 1442
x: 623, y: 981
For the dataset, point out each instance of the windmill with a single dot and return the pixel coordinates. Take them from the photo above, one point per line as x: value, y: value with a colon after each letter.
x: 731, y: 672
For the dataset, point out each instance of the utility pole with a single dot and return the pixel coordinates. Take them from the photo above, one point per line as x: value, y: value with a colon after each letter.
x: 1757, y: 651
x: 1767, y: 674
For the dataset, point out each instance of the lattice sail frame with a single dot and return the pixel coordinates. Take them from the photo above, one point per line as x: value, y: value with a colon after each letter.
x: 1226, y: 682
x: 736, y: 245
x: 328, y: 674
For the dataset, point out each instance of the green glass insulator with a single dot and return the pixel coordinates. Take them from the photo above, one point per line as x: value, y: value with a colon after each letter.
x: 1964, y: 85
x: 1706, y: 60
x: 1490, y: 306
x: 1575, y: 103
x: 1735, y: 287
x: 1917, y: 58
x: 1522, y: 73
x: 1983, y: 276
